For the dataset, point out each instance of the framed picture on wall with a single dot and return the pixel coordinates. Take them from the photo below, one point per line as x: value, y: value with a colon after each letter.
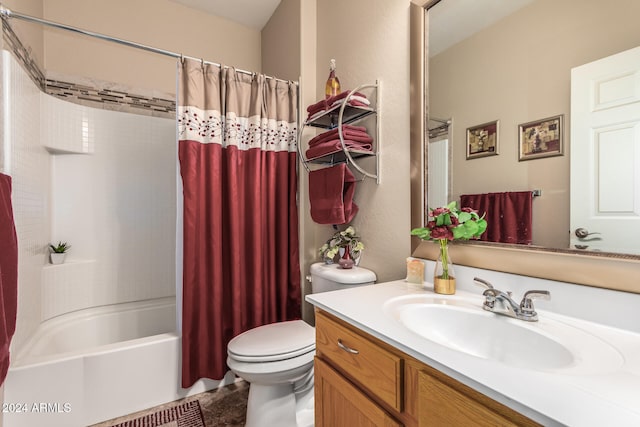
x: 482, y: 140
x: 542, y: 138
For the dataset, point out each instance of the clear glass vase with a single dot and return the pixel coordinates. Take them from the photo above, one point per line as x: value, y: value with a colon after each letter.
x: 444, y: 279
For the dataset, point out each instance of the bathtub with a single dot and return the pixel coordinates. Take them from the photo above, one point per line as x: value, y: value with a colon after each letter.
x: 96, y: 364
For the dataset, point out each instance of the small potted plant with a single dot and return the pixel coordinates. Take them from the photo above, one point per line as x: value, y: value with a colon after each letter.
x: 344, y: 243
x: 58, y: 252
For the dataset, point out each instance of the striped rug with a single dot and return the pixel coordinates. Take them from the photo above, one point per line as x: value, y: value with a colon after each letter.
x: 188, y: 414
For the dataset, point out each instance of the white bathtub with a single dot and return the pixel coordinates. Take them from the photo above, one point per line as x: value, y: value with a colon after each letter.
x: 96, y: 364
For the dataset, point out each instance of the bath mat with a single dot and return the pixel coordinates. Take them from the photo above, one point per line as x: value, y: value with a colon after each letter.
x: 188, y: 414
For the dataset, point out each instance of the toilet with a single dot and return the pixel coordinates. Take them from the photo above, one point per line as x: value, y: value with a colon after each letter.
x: 277, y: 359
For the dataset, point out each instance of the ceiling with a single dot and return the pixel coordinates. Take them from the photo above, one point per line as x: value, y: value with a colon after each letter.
x: 251, y: 13
x: 452, y: 21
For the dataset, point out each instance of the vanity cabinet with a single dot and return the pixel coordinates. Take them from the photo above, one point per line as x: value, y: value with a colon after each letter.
x: 362, y: 381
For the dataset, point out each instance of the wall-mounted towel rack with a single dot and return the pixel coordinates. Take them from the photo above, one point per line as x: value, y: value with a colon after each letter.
x: 343, y: 114
x: 536, y: 193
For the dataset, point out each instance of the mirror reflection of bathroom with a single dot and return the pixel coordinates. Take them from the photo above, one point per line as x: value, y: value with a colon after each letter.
x: 489, y: 61
x: 439, y: 162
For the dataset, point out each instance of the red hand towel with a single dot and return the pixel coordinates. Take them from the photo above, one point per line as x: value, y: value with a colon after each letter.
x: 317, y: 108
x: 331, y: 192
x: 8, y: 274
x: 508, y: 215
x: 334, y: 146
x: 354, y: 133
x: 326, y: 103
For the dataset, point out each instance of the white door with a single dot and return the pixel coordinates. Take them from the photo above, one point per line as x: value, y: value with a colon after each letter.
x: 438, y: 164
x: 605, y: 154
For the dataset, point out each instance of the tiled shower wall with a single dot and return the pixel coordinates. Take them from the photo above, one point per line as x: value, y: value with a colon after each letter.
x: 105, y: 182
x: 28, y: 164
x: 115, y: 206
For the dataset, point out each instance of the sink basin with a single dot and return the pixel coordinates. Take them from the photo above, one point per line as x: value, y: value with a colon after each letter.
x: 462, y: 325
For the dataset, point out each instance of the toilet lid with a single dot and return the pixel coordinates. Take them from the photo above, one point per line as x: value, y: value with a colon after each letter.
x: 276, y: 341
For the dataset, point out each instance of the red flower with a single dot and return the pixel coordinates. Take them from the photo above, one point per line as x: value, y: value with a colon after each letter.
x: 442, y: 232
x: 448, y: 223
x: 439, y: 211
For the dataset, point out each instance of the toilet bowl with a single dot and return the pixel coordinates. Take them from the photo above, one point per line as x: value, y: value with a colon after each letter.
x: 277, y: 359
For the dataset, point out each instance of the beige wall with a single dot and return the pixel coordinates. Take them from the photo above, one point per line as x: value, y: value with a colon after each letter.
x: 519, y: 71
x: 30, y: 34
x: 370, y: 40
x: 159, y: 23
x: 281, y: 42
x: 308, y: 89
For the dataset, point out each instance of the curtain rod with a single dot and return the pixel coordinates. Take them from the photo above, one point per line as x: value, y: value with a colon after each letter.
x: 7, y: 13
x: 446, y: 122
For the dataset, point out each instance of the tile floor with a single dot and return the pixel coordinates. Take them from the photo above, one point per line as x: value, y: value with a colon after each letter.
x: 221, y: 408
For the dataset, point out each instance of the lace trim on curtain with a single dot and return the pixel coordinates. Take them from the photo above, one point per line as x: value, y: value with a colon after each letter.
x: 207, y: 127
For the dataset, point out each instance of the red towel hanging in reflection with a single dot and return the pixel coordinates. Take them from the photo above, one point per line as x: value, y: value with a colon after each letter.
x: 508, y: 215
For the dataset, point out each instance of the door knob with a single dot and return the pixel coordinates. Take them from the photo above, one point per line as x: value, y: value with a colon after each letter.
x: 581, y: 233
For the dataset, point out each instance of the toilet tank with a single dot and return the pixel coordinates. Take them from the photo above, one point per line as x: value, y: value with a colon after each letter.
x: 330, y: 277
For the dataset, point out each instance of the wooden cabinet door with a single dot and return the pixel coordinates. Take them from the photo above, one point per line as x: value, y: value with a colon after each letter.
x: 441, y: 404
x: 340, y: 404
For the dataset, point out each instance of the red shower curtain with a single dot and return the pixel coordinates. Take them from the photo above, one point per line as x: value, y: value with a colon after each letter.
x: 8, y: 274
x: 237, y: 136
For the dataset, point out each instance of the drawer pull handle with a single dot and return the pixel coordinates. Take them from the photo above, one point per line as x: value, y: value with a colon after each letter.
x: 347, y: 349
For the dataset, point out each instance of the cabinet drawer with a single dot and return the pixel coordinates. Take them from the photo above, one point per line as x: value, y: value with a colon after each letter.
x: 367, y: 364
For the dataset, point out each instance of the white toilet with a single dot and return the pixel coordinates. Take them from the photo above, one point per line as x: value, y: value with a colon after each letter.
x: 277, y: 359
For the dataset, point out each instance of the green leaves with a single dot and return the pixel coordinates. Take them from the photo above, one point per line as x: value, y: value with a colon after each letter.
x: 342, y: 239
x: 60, y: 248
x: 450, y: 223
x: 443, y: 220
x: 423, y: 233
x: 469, y: 230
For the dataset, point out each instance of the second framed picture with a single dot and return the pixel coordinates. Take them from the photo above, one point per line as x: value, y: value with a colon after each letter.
x: 482, y: 140
x: 542, y: 138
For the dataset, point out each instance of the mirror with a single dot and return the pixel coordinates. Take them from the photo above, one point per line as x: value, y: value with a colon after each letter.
x: 487, y: 63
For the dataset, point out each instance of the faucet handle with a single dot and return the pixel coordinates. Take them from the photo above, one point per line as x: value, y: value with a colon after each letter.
x: 490, y: 293
x: 527, y: 304
x: 482, y: 282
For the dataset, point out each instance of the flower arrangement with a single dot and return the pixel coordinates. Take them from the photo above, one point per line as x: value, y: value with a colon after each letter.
x: 346, y: 239
x: 450, y: 223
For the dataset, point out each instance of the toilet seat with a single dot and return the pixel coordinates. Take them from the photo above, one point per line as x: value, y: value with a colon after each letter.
x: 273, y: 342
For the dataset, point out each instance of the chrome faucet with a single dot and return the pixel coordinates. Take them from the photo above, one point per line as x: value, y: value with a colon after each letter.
x: 507, y: 306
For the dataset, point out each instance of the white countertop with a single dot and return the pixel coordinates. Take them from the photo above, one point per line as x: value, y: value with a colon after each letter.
x: 608, y: 398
